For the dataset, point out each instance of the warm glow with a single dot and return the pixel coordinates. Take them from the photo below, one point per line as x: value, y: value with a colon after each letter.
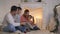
x: 39, y: 17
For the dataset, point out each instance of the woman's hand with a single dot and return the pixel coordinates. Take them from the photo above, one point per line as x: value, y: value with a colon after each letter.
x: 22, y: 23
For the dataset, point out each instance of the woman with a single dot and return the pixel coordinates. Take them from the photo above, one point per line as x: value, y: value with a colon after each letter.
x: 25, y: 20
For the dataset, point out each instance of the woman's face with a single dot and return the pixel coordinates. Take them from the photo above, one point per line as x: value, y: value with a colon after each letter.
x: 19, y: 11
x: 27, y: 14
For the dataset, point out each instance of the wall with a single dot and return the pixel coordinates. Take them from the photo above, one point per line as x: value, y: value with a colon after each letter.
x: 5, y: 7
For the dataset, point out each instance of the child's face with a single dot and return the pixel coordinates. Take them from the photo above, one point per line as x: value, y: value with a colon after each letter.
x: 30, y: 18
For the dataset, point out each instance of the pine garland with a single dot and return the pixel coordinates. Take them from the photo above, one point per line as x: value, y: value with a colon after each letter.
x: 56, y: 19
x: 25, y: 0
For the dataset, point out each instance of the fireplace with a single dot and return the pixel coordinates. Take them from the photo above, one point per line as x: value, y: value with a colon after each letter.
x: 36, y: 10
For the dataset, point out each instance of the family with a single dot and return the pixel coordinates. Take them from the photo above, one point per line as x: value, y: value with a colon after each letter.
x: 14, y: 21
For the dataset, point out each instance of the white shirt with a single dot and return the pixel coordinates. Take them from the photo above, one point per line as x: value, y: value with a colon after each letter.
x: 17, y: 18
x: 9, y: 19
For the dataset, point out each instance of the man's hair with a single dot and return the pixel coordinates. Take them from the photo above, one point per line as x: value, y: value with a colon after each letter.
x: 19, y: 8
x: 13, y: 8
x: 26, y: 11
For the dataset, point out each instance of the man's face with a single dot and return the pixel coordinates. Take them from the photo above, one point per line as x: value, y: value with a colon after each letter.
x: 15, y: 12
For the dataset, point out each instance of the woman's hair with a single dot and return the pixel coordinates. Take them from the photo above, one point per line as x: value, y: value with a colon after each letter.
x: 26, y: 11
x: 19, y: 8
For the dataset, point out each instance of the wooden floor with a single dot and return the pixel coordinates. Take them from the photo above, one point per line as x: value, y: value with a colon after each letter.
x: 32, y: 32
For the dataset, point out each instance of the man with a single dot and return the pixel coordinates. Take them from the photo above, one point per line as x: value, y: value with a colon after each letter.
x: 9, y: 23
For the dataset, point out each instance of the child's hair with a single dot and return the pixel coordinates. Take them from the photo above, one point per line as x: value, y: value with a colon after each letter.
x: 30, y: 16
